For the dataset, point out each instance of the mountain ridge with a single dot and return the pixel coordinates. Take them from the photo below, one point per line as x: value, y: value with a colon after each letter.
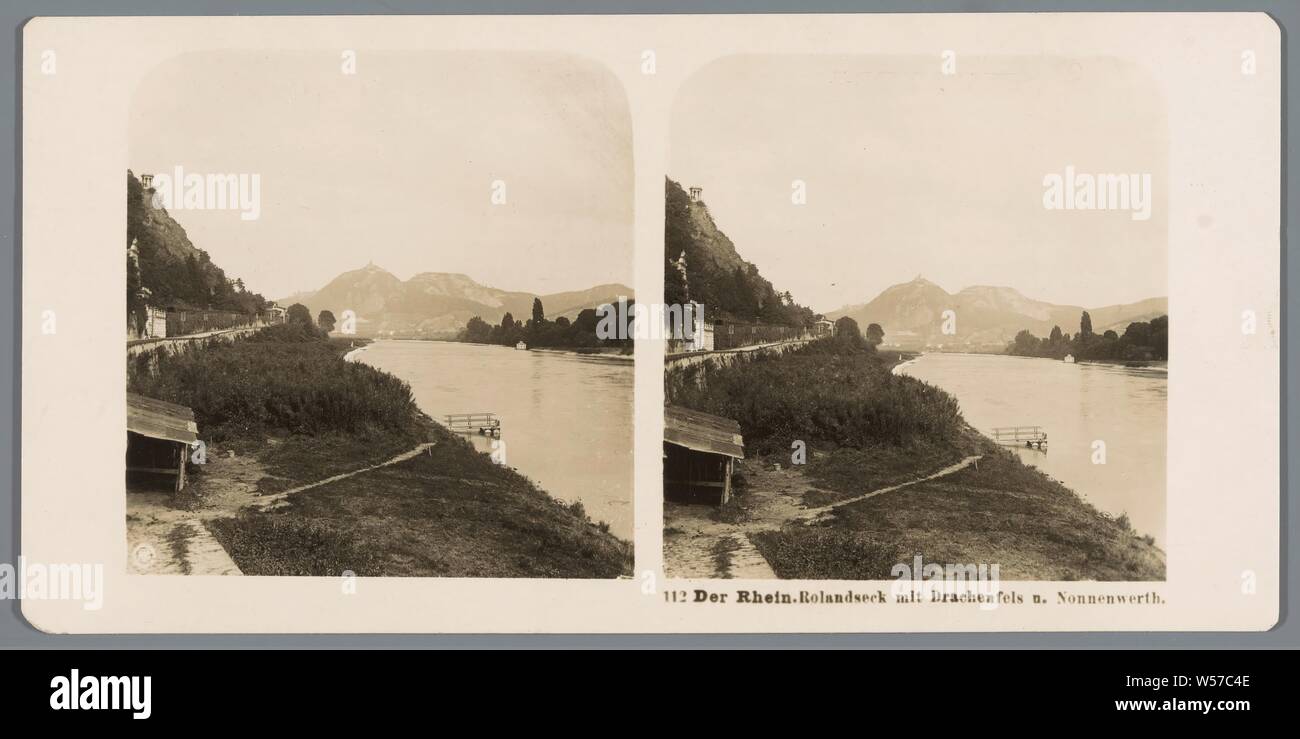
x: 912, y: 314
x: 438, y: 304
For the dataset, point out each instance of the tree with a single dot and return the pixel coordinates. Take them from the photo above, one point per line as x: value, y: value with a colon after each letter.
x: 586, y: 321
x: 326, y: 321
x: 848, y: 328
x: 1025, y: 344
x: 1138, y: 333
x: 298, y: 315
x: 478, y: 331
x: 1055, y: 336
x: 875, y: 334
x: 509, y: 330
x: 1160, y: 337
x: 1085, y: 325
x: 539, y: 316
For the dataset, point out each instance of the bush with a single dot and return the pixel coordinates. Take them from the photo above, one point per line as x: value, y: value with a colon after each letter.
x: 818, y: 395
x: 283, y: 378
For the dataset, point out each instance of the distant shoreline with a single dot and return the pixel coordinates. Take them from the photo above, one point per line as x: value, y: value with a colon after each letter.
x: 1155, y: 365
x: 617, y: 356
x: 595, y: 352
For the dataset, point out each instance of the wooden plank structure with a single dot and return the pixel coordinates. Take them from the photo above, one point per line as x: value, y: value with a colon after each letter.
x: 158, y: 437
x: 486, y: 424
x: 700, y: 452
x: 1030, y: 437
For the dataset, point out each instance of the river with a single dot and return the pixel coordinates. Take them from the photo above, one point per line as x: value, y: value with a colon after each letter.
x: 567, y: 420
x: 1077, y: 405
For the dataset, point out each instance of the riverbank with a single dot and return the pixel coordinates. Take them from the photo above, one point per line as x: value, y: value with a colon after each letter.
x: 448, y: 511
x: 618, y: 355
x: 996, y: 510
x: 1152, y: 365
x: 566, y: 422
x: 445, y: 511
x: 1157, y: 365
x: 880, y: 486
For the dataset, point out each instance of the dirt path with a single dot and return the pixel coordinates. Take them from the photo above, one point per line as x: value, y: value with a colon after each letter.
x: 163, y: 539
x: 277, y: 500
x: 815, y: 514
x: 698, y: 543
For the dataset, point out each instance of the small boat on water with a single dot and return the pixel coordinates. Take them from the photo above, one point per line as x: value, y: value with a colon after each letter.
x: 521, y: 345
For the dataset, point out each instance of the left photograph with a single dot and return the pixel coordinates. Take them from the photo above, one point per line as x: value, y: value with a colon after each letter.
x: 376, y: 309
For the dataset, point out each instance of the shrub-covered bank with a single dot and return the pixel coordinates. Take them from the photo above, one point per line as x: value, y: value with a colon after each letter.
x: 288, y: 399
x: 818, y: 394
x: 999, y: 511
x: 866, y: 429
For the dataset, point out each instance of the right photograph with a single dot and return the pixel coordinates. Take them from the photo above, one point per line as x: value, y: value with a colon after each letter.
x: 929, y: 319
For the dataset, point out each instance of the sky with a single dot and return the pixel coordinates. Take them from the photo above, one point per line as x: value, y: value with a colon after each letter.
x: 395, y: 164
x: 911, y: 172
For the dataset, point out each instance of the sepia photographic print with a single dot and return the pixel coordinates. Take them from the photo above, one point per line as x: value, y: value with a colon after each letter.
x: 935, y: 327
x: 653, y: 324
x: 361, y: 314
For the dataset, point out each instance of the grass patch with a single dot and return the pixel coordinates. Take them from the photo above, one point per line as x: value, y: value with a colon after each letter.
x: 283, y: 544
x: 721, y: 551
x: 816, y: 553
x: 304, y: 459
x: 448, y: 513
x: 845, y: 471
x: 1001, y: 512
x: 178, y: 539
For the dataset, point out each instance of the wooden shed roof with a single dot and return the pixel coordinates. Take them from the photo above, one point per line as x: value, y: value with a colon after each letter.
x: 160, y: 420
x: 703, y: 432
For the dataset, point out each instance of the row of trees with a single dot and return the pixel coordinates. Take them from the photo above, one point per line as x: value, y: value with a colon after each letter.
x: 849, y: 339
x: 1141, y: 341
x: 540, y: 332
x: 299, y: 315
x: 692, y: 273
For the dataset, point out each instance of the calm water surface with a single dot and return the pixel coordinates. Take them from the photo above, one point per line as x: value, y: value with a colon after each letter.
x: 1076, y: 404
x: 567, y: 420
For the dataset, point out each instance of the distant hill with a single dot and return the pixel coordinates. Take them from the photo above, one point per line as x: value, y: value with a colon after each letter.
x: 169, y: 267
x: 714, y: 272
x: 438, y: 304
x: 911, y: 314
